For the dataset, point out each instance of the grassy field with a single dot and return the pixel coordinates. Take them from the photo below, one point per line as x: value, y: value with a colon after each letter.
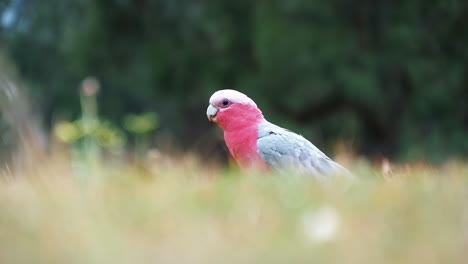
x: 178, y: 211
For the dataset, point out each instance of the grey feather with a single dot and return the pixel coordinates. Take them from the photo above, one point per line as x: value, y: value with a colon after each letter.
x: 285, y: 150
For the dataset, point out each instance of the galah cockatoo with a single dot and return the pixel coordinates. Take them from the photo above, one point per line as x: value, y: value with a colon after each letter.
x: 256, y: 143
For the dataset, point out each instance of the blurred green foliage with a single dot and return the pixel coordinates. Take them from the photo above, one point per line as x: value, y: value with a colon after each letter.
x: 389, y: 77
x: 141, y: 124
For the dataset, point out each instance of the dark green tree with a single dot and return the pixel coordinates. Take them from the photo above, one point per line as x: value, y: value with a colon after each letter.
x: 388, y: 76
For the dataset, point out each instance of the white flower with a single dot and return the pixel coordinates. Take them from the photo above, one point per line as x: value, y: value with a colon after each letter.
x: 321, y: 225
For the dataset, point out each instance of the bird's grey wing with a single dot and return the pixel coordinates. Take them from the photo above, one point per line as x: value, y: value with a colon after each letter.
x: 285, y: 150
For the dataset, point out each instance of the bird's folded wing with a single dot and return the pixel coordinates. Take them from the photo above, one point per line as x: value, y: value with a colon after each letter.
x: 285, y: 150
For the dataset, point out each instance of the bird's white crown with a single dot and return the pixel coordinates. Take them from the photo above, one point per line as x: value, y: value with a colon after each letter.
x: 232, y: 95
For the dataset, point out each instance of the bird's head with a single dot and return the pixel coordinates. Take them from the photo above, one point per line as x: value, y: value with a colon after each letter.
x: 232, y: 110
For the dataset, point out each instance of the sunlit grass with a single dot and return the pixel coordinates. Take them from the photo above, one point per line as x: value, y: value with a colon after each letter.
x: 176, y: 210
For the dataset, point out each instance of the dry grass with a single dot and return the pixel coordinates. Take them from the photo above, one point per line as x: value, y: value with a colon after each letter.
x: 177, y: 211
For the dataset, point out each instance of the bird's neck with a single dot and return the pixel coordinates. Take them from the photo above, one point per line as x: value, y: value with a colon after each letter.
x: 242, y: 144
x: 240, y: 124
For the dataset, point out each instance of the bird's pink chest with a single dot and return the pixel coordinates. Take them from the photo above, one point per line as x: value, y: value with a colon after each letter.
x: 243, y: 147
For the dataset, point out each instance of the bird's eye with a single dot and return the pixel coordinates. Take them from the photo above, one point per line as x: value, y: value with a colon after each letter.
x: 225, y: 103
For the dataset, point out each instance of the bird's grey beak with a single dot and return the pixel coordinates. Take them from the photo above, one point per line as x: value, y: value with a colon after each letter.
x: 211, y: 113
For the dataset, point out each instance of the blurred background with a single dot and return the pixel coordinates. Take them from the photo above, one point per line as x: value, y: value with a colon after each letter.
x: 383, y: 78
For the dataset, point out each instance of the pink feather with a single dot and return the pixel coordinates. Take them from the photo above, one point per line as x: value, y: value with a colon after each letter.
x: 240, y: 125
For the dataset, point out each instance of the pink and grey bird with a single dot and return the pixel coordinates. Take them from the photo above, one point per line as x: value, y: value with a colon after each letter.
x: 256, y: 143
